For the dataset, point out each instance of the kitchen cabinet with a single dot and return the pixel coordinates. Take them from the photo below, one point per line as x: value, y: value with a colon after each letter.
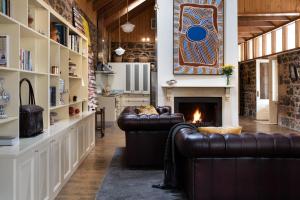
x: 130, y: 77
x: 42, y: 165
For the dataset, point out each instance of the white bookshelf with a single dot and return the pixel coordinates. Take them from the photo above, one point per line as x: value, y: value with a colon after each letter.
x: 45, y: 54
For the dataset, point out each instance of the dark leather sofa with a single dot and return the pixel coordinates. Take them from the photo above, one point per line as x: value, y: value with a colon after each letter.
x: 146, y: 135
x: 239, y: 167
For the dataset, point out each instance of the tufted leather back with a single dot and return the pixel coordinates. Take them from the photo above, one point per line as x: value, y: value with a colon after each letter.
x: 192, y: 144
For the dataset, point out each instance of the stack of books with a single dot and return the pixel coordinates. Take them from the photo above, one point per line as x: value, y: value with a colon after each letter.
x: 5, y: 7
x: 26, y: 60
x: 3, y: 50
x: 62, y: 32
x: 74, y: 42
x: 77, y: 20
x: 8, y: 141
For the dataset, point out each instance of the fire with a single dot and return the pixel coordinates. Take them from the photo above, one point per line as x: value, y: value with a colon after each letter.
x: 197, y: 116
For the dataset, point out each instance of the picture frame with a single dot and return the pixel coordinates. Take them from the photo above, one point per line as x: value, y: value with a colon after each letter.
x: 198, y: 69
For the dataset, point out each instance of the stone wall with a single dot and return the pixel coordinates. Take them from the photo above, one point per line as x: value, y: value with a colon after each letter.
x: 248, y: 89
x: 288, y: 92
x: 136, y: 49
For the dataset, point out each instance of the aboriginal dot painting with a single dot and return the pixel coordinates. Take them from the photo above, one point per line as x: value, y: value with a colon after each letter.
x: 198, y: 36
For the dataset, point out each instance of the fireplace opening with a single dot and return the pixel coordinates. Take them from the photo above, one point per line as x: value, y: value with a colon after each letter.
x: 201, y: 111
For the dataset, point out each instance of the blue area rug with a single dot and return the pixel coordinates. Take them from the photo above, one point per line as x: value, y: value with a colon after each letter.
x: 121, y: 183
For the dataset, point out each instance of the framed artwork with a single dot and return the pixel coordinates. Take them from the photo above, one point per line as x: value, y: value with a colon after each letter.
x: 293, y: 72
x: 198, y: 37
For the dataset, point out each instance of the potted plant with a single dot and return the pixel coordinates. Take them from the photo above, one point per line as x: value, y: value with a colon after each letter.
x: 227, y: 71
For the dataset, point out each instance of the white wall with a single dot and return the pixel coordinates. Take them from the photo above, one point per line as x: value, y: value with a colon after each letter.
x: 165, y: 57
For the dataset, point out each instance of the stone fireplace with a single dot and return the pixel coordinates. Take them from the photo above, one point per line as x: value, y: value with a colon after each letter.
x: 202, y: 111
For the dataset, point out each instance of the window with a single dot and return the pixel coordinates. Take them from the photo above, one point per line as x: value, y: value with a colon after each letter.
x: 240, y: 53
x: 268, y: 43
x: 278, y: 40
x: 259, y: 46
x: 250, y: 49
x: 291, y: 36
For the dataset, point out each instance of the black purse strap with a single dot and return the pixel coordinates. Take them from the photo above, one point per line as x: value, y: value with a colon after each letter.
x: 31, y: 99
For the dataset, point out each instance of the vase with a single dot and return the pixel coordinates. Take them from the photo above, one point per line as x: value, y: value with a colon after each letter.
x: 227, y: 80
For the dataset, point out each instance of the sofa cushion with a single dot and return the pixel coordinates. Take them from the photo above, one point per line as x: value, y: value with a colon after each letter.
x: 220, y: 130
x: 146, y: 110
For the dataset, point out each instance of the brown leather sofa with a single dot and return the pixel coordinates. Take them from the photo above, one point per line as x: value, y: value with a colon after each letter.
x: 241, y: 167
x: 146, y: 135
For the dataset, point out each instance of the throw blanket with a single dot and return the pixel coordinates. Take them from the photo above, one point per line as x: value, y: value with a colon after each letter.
x: 170, y: 171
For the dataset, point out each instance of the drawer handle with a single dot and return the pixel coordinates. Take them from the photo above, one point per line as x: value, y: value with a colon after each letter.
x: 36, y: 151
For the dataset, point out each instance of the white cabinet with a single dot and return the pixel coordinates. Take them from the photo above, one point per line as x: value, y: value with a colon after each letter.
x: 43, y: 177
x: 131, y: 77
x: 55, y: 164
x: 137, y: 78
x: 40, y: 171
x: 74, y: 147
x: 66, y: 154
x: 25, y: 177
x: 33, y: 174
x: 80, y: 141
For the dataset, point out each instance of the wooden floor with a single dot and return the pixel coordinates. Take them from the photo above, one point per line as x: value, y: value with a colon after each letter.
x: 85, y: 182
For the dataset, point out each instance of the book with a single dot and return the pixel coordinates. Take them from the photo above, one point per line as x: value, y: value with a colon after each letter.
x: 8, y: 141
x: 4, y: 44
x: 25, y: 60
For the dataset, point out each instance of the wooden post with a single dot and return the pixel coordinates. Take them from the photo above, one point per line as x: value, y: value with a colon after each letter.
x: 273, y: 48
x: 297, y: 34
x: 264, y: 44
x: 284, y: 38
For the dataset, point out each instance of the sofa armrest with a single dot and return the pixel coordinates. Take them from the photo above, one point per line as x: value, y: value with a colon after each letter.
x: 134, y: 122
x: 164, y: 110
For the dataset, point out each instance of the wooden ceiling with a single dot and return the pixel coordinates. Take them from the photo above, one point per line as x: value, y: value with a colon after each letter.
x: 110, y: 10
x: 256, y: 17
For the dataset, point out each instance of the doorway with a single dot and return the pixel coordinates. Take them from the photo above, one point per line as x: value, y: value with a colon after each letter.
x: 262, y: 90
x: 267, y: 90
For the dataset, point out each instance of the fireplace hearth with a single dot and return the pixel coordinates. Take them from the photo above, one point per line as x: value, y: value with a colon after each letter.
x: 201, y: 111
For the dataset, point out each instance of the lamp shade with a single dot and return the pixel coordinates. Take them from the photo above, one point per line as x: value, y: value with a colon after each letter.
x: 120, y: 51
x: 128, y: 27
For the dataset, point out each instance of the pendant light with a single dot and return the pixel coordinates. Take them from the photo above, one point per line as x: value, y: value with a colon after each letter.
x: 120, y: 51
x: 128, y: 27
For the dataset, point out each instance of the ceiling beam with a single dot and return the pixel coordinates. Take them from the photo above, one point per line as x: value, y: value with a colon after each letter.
x: 268, y: 14
x: 133, y: 13
x: 115, y: 15
x: 256, y: 24
x: 99, y: 4
x: 264, y: 18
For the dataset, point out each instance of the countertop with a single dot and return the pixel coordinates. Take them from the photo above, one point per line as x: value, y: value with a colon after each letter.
x: 26, y: 144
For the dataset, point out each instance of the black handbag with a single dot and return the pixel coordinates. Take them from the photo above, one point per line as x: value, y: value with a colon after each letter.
x: 31, y: 115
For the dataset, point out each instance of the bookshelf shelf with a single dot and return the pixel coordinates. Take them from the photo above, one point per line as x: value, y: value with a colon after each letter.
x: 7, y: 120
x: 33, y: 72
x: 58, y: 107
x: 75, y: 77
x: 31, y: 38
x: 31, y: 33
x: 9, y: 69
